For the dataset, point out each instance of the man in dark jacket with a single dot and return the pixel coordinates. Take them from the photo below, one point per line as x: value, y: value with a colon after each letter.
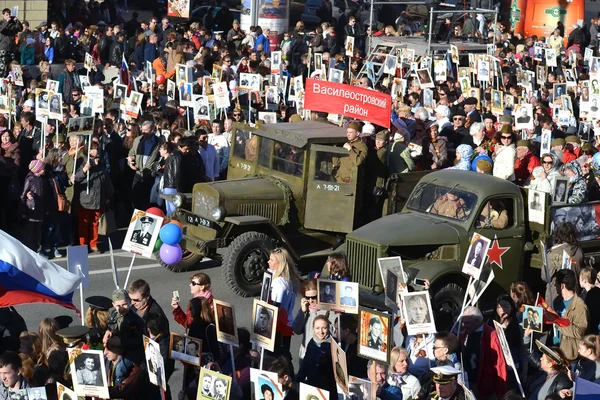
x: 192, y: 166
x: 145, y: 306
x: 68, y: 80
x: 151, y: 49
x: 9, y: 27
x: 116, y: 50
x: 105, y: 44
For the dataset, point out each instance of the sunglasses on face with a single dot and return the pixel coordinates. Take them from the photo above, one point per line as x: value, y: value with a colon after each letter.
x: 194, y: 283
x: 546, y: 162
x: 506, y: 137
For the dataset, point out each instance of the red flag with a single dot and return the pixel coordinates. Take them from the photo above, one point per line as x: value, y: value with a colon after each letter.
x: 551, y: 316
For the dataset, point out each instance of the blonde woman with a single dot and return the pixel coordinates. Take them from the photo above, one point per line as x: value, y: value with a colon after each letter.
x: 50, y: 340
x: 283, y: 295
x: 399, y: 376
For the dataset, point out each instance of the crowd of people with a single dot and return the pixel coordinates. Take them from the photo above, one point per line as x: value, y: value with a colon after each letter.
x: 56, y: 187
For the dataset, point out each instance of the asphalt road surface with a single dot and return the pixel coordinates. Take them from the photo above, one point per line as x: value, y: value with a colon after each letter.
x: 162, y: 284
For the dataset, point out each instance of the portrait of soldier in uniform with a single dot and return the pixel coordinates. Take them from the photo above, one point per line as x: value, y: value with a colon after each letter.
x: 142, y: 233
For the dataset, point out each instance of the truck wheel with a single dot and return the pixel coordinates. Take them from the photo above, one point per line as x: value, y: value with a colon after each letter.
x: 447, y: 304
x: 188, y: 260
x: 245, y: 260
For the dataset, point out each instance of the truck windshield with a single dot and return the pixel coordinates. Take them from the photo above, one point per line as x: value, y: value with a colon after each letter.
x: 449, y: 202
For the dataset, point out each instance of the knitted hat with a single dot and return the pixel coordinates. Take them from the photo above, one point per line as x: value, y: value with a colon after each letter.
x: 29, y: 103
x: 36, y: 166
x: 484, y: 166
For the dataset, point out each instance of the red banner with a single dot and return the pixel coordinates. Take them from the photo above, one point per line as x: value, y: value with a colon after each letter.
x: 350, y: 101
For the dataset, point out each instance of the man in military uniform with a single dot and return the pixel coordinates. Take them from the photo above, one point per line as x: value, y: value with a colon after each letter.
x: 144, y: 235
x: 375, y: 341
x: 446, y: 384
x: 450, y: 205
x: 357, y: 154
x: 127, y: 325
x: 376, y: 169
x: 74, y: 336
x: 493, y: 215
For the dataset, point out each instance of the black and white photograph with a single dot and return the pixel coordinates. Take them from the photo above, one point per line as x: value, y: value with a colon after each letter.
x: 298, y: 86
x: 582, y: 216
x: 349, y: 46
x: 550, y: 57
x: 570, y: 77
x: 185, y: 349
x: 390, y: 65
x: 361, y: 389
x: 533, y: 318
x: 336, y: 75
x: 560, y: 190
x: 88, y: 62
x: 84, y: 81
x: 154, y: 363
x: 17, y: 394
x: 264, y: 317
x: 181, y: 74
x: 308, y: 392
x: 340, y: 368
x: 51, y: 85
x: 540, y: 73
x: 585, y: 132
x: 558, y: 90
x: 594, y: 103
x: 265, y: 290
x: 428, y: 98
x: 538, y: 52
x: 566, y: 260
x: 213, y: 385
x: 250, y: 81
x: 348, y: 296
x: 416, y: 308
x: 275, y: 62
x: 454, y: 54
x: 391, y: 289
x: 86, y: 108
x: 177, y: 347
x: 185, y: 95
x: 55, y: 107
x: 374, y: 335
x: 537, y: 206
x: 483, y: 70
x: 201, y: 108
x: 497, y: 101
x: 37, y: 393
x: 74, y: 126
x: 17, y: 72
x: 394, y: 264
x: 440, y: 70
x: 272, y: 97
x: 266, y: 385
x: 268, y: 117
x: 524, y: 116
x: 318, y: 60
x: 88, y: 373
x: 142, y: 233
x: 327, y: 293
x: 171, y: 86
x: 42, y: 102
x: 133, y: 104
x: 225, y: 322
x: 476, y: 255
x: 424, y: 78
x: 120, y: 92
x: 545, y: 143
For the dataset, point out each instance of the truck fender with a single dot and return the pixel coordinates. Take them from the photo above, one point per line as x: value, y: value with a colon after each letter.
x: 255, y: 220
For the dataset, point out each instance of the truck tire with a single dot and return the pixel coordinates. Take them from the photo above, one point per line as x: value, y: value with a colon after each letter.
x: 447, y: 303
x: 245, y: 260
x: 188, y: 260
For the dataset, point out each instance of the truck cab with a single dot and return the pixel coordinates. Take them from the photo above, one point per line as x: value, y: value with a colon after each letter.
x: 282, y: 189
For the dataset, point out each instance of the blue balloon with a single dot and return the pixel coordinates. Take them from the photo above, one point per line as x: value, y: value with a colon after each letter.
x: 170, y: 234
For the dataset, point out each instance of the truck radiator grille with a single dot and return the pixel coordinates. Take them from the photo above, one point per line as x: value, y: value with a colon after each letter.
x: 204, y: 204
x: 262, y: 210
x: 362, y: 259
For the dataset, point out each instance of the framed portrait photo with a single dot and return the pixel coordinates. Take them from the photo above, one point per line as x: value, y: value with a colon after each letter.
x: 225, y: 322
x: 536, y: 201
x: 374, y: 335
x: 349, y: 46
x: 476, y: 255
x: 264, y: 317
x: 424, y: 78
x: 142, y: 233
x: 185, y: 349
x: 88, y: 373
x: 213, y: 385
x: 37, y: 393
x: 154, y: 363
x: 362, y: 388
x: 394, y: 264
x: 348, y: 295
x: 266, y: 384
x: 533, y: 318
x: 327, y: 294
x: 560, y: 190
x: 390, y: 64
x: 524, y: 116
x: 418, y: 313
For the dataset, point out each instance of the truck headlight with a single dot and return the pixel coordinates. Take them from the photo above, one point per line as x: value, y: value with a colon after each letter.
x: 218, y: 213
x: 178, y: 200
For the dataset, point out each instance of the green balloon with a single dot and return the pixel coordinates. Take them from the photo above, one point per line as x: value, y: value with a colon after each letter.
x: 157, y: 245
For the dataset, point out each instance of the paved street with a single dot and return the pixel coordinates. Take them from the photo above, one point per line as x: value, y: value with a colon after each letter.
x: 162, y: 283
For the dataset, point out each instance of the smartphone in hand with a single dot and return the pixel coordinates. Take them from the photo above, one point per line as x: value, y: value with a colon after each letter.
x: 420, y: 282
x: 176, y: 294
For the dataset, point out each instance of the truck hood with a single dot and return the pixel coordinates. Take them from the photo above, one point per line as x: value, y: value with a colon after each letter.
x: 408, y: 229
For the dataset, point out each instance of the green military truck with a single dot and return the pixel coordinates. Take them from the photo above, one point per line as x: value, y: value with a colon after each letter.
x: 434, y: 246
x: 281, y: 190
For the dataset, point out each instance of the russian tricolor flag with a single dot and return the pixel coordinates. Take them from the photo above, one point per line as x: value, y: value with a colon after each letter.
x: 26, y: 277
x: 124, y: 73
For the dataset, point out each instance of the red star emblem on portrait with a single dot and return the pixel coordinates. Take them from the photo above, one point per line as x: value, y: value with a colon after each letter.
x: 495, y: 252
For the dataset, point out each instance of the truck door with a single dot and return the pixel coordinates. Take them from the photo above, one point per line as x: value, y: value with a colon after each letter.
x: 331, y: 190
x: 507, y: 252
